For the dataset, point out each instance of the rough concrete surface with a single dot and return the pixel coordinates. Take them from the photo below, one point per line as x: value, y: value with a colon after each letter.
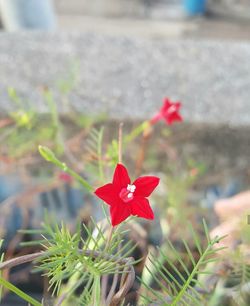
x: 128, y: 77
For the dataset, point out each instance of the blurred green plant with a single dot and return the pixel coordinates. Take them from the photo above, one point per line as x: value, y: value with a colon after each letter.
x: 67, y: 83
x: 178, y: 286
x: 80, y: 260
x: 1, y: 260
x: 95, y: 163
x: 6, y: 284
x: 78, y: 263
x: 49, y: 156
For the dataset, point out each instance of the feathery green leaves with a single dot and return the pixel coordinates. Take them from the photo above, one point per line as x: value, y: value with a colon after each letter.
x: 177, y: 279
x: 94, y: 149
x: 78, y: 261
x: 239, y: 280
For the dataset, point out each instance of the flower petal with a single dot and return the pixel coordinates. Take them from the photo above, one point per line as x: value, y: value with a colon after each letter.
x: 140, y: 207
x: 119, y: 212
x: 108, y: 194
x: 166, y: 104
x: 145, y: 185
x: 178, y: 105
x: 120, y: 178
x: 173, y: 117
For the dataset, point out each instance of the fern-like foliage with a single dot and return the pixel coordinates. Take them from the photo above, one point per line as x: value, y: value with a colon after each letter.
x: 240, y: 274
x: 94, y: 149
x: 113, y: 153
x: 239, y: 282
x: 75, y: 263
x: 178, y: 283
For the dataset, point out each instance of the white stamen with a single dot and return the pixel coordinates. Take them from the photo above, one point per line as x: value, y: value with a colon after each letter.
x: 131, y: 188
x: 172, y: 109
x: 130, y: 195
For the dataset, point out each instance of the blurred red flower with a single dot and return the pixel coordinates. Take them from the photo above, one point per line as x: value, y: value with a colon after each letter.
x: 63, y: 176
x: 126, y: 199
x: 169, y: 112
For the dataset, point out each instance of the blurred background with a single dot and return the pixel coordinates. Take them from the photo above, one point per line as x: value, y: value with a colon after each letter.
x: 67, y: 68
x: 167, y: 18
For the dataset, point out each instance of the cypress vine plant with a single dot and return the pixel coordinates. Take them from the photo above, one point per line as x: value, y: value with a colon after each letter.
x: 79, y: 265
x: 94, y: 265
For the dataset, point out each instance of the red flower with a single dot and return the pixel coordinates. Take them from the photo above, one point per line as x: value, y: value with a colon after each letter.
x: 169, y: 112
x: 126, y: 199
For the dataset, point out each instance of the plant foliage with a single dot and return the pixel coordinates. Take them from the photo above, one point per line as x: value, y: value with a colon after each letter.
x: 78, y: 261
x: 178, y: 287
x: 1, y: 260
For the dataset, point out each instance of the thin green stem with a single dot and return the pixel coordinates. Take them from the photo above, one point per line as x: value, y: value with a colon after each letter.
x: 109, y: 239
x: 48, y: 155
x: 191, y: 276
x: 120, y: 143
x: 96, y: 290
x: 19, y: 292
x: 137, y: 131
x: 1, y: 260
x: 99, y: 151
x: 82, y: 181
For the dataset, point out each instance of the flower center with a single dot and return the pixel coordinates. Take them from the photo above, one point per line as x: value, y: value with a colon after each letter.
x: 127, y: 194
x: 172, y: 109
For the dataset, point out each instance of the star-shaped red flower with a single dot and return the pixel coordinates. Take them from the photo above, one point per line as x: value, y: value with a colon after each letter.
x: 169, y: 112
x: 126, y: 199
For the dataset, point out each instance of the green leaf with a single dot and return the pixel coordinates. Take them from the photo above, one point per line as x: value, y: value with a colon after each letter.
x: 1, y: 260
x: 177, y: 278
x: 19, y: 292
x: 97, y: 290
x: 63, y: 260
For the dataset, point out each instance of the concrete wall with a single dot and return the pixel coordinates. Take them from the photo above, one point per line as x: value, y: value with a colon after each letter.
x: 128, y: 77
x: 115, y: 8
x: 148, y: 8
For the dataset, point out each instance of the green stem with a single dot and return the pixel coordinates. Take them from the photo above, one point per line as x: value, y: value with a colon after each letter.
x: 191, y: 276
x: 96, y: 290
x: 137, y: 131
x: 99, y: 149
x: 48, y: 155
x: 19, y: 292
x: 1, y: 260
x: 79, y: 179
x: 109, y: 239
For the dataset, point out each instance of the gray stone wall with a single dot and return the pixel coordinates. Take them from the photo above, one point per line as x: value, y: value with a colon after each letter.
x: 128, y: 77
x: 115, y: 8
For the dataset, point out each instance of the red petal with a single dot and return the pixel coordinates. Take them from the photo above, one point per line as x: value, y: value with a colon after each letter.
x: 140, y: 207
x: 119, y: 212
x: 108, y: 194
x: 120, y: 178
x: 173, y: 117
x: 178, y: 105
x: 166, y: 104
x: 145, y: 185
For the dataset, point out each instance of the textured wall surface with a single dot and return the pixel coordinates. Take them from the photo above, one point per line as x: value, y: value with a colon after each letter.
x: 127, y: 77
